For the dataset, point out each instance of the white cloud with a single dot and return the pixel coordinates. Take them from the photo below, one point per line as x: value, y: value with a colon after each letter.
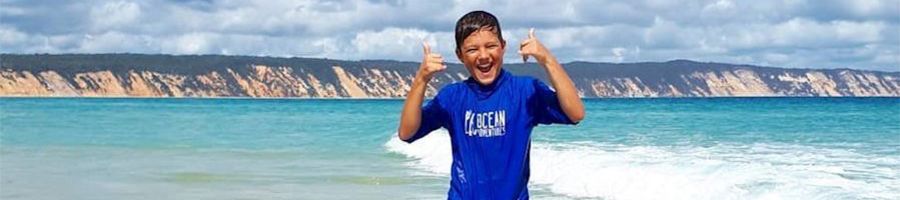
x: 114, y: 14
x: 405, y: 44
x: 807, y: 33
x: 793, y: 33
x: 10, y: 36
x: 192, y: 43
x: 113, y: 41
x: 618, y: 54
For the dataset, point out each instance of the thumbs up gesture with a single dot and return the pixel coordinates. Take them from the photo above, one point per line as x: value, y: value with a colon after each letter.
x: 431, y: 63
x: 531, y: 47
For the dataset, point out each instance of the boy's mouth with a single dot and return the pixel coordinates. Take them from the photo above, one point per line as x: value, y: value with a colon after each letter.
x: 484, y: 68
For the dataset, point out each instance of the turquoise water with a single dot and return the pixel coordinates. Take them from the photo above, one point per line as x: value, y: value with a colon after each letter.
x: 716, y: 148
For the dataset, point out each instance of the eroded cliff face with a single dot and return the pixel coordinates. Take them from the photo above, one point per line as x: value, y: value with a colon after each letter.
x: 747, y: 83
x: 376, y: 81
x: 259, y: 81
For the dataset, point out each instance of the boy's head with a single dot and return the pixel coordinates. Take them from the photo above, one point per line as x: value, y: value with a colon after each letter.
x: 480, y: 45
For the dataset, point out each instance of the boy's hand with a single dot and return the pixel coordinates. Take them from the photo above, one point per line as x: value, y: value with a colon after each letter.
x: 431, y: 63
x: 532, y: 47
x: 411, y: 117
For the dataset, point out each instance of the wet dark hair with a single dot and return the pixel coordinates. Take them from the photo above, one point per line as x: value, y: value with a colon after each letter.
x: 474, y: 21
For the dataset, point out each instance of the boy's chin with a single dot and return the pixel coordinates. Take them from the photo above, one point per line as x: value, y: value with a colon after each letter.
x: 486, y: 80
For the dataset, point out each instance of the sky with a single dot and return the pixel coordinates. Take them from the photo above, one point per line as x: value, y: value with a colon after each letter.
x: 857, y: 34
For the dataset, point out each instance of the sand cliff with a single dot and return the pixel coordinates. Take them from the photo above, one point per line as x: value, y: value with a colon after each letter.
x: 131, y: 75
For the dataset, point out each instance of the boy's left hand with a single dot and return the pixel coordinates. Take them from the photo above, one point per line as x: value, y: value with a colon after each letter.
x: 532, y: 47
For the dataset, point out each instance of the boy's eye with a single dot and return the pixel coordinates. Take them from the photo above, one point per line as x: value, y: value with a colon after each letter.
x: 470, y: 50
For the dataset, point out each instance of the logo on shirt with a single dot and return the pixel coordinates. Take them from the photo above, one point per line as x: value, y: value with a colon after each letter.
x: 486, y: 124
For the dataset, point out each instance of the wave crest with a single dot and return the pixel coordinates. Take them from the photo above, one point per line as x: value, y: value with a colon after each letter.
x: 757, y: 171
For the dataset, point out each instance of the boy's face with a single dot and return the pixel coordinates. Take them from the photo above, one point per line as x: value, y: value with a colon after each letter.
x: 482, y: 54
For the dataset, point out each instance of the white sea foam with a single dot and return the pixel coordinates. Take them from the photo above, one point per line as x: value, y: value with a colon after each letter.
x: 431, y: 154
x: 725, y: 171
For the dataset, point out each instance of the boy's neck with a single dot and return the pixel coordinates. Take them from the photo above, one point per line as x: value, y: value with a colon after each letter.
x: 485, y: 91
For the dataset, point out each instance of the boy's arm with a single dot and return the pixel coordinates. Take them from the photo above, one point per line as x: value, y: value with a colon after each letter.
x: 566, y: 93
x: 411, y: 116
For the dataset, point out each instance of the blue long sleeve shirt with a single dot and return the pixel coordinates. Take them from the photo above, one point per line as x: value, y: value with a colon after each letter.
x: 490, y: 132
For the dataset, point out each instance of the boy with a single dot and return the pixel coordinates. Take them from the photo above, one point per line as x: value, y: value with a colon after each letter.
x: 489, y: 116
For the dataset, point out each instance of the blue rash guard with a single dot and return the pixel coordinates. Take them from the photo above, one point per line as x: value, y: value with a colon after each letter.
x: 490, y: 132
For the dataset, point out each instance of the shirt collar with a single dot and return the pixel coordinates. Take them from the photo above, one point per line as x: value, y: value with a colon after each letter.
x: 485, y: 91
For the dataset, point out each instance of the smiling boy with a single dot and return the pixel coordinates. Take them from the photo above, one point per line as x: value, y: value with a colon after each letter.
x: 491, y: 115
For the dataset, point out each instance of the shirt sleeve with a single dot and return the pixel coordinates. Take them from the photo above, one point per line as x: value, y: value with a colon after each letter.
x: 545, y: 106
x: 433, y: 118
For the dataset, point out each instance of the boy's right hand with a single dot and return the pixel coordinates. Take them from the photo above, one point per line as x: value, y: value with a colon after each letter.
x: 431, y: 64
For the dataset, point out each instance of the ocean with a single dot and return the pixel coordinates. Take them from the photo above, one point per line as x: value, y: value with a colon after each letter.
x: 662, y: 148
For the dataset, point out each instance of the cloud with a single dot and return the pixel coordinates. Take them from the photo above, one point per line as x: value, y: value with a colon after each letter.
x: 10, y: 36
x: 114, y: 14
x: 794, y: 33
x: 393, y: 42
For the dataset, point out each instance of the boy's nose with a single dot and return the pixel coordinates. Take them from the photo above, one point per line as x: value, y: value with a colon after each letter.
x: 483, y: 56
